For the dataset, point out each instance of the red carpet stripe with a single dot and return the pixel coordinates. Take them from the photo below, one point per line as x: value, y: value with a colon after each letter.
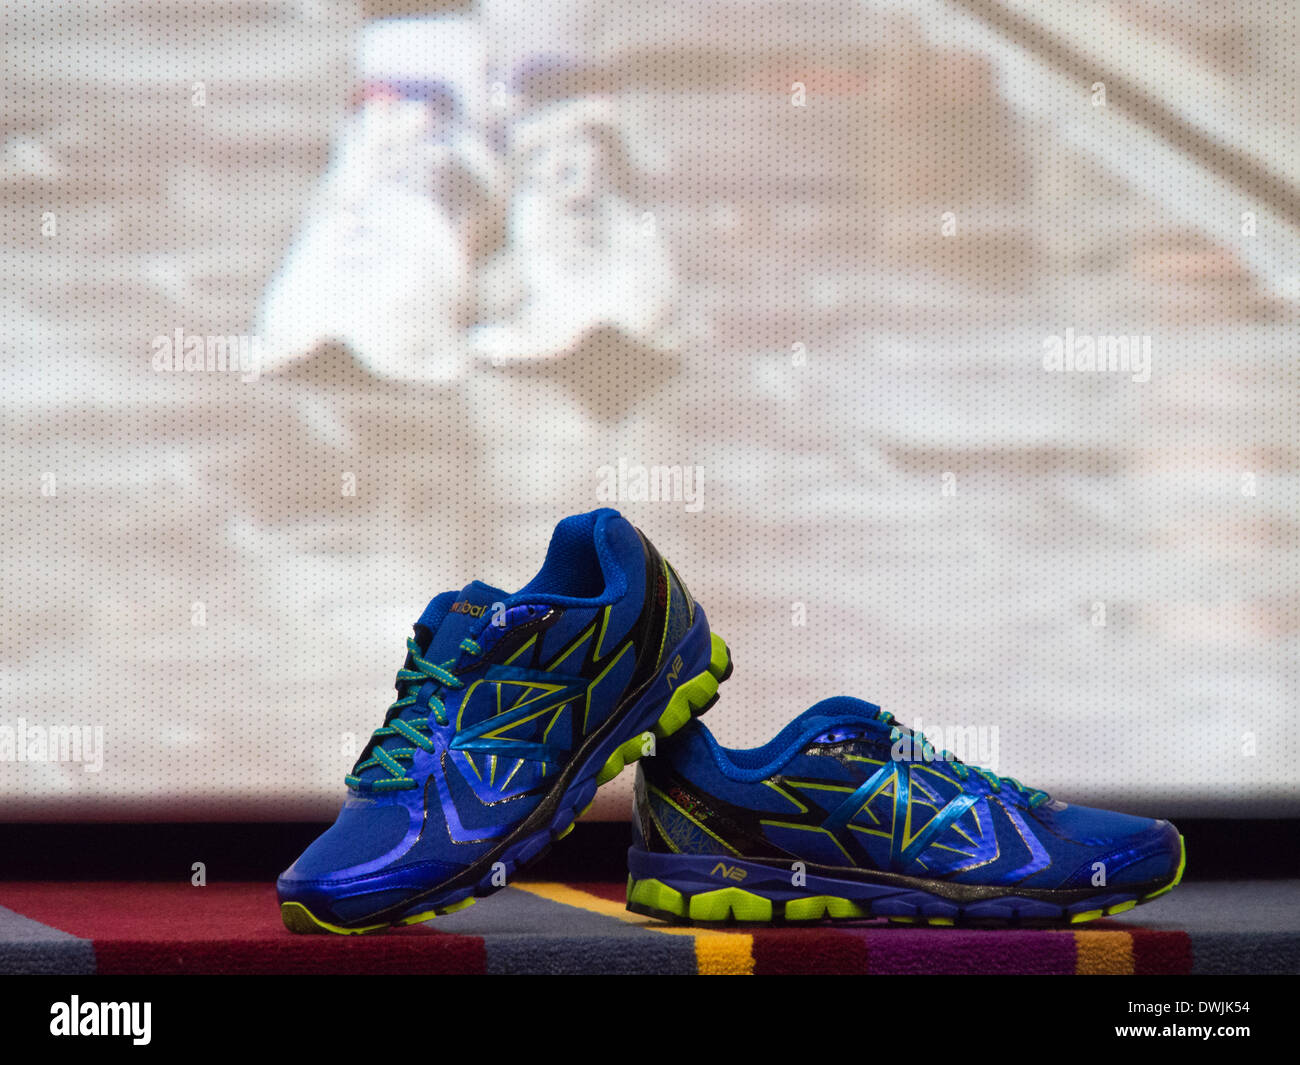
x: 1161, y: 953
x: 224, y: 928
x: 400, y: 953
x: 813, y: 950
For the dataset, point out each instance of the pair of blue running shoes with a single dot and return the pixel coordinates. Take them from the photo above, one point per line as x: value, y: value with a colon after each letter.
x: 513, y: 709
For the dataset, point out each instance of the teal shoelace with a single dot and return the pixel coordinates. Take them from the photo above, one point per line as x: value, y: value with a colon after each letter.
x: 409, y: 683
x: 1035, y: 796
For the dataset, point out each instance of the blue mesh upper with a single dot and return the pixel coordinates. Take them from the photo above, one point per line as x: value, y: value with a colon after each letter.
x: 1000, y: 838
x: 501, y: 722
x: 361, y: 833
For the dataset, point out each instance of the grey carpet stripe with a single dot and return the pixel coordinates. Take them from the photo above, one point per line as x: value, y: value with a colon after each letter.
x: 28, y: 947
x: 525, y: 933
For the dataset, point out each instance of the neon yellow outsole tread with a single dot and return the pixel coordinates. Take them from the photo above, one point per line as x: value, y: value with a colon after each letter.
x: 1178, y: 876
x: 691, y: 698
x: 731, y: 904
x: 655, y: 895
x: 655, y: 898
x: 297, y: 918
x: 815, y: 907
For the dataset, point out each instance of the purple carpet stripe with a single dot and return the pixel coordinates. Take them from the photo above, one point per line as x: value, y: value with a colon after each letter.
x: 899, y: 951
x: 27, y: 946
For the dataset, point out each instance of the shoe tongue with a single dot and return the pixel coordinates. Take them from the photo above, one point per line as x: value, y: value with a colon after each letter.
x: 465, y: 616
x: 843, y: 708
x: 839, y: 714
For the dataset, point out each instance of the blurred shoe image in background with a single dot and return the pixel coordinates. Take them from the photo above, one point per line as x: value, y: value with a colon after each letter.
x: 385, y: 262
x: 398, y: 254
x: 580, y: 255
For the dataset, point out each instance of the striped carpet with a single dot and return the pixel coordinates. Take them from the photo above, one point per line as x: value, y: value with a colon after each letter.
x: 554, y: 928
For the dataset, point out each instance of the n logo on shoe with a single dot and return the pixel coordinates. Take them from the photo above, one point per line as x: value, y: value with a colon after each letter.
x: 676, y: 671
x: 728, y: 872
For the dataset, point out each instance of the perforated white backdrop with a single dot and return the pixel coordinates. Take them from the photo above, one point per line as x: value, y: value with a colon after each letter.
x: 878, y: 218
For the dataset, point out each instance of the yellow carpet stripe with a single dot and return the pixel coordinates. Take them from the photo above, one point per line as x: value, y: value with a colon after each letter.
x: 583, y: 900
x: 716, y: 953
x: 723, y: 953
x: 1103, y: 953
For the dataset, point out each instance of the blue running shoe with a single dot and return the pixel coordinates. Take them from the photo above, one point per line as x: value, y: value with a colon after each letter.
x: 511, y: 711
x: 847, y: 815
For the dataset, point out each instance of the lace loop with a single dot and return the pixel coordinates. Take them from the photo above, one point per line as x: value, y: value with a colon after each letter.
x: 1035, y: 796
x: 410, y: 679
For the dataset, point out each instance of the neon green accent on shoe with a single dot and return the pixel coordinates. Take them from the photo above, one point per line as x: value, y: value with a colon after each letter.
x: 630, y: 751
x: 581, y: 814
x: 1087, y: 915
x: 1120, y: 907
x: 945, y: 921
x: 656, y: 895
x: 438, y: 911
x: 815, y: 907
x: 732, y: 901
x: 691, y: 695
x: 297, y: 918
x: 686, y: 815
x: 419, y: 918
x: 720, y: 658
x: 1178, y: 876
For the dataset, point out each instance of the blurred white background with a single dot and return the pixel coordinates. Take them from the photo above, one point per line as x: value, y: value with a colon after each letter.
x: 816, y: 249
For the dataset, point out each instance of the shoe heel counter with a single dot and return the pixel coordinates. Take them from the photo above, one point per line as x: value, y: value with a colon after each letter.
x: 681, y: 608
x: 673, y: 607
x: 646, y: 834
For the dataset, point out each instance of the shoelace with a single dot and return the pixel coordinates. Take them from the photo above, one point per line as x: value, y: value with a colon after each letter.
x: 1035, y: 796
x: 409, y: 683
